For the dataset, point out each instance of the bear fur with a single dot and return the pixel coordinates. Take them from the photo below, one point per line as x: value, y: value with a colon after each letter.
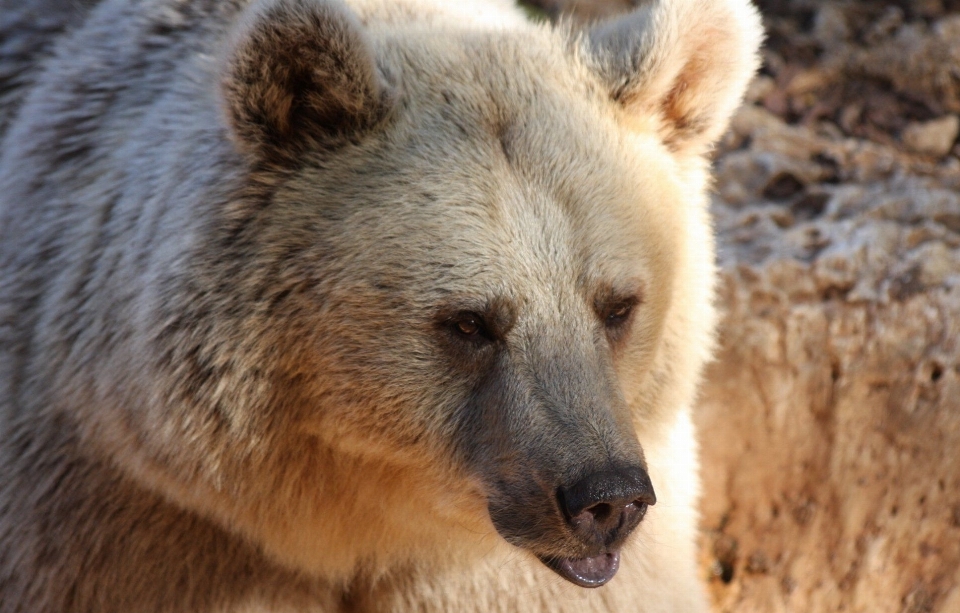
x: 310, y: 305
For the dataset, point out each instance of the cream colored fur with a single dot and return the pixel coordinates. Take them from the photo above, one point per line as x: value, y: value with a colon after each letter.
x: 221, y: 387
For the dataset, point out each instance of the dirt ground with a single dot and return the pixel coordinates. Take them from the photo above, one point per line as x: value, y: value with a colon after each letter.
x: 830, y: 421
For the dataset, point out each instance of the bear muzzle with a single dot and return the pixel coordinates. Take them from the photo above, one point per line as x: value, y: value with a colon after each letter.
x: 601, y: 510
x: 604, y: 507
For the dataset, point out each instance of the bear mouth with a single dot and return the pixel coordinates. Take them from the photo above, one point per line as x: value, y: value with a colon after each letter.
x: 585, y: 572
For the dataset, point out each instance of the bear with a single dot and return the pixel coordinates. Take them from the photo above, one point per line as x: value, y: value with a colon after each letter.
x: 356, y: 305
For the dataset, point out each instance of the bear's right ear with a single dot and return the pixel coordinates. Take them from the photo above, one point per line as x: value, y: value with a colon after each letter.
x: 300, y: 74
x: 679, y: 66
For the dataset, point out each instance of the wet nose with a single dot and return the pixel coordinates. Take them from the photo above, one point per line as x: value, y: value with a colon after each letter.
x: 604, y: 507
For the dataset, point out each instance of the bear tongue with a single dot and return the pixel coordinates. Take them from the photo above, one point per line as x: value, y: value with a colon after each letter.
x: 586, y: 572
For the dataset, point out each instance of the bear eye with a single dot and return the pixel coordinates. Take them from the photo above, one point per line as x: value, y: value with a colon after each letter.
x: 469, y: 325
x: 618, y: 313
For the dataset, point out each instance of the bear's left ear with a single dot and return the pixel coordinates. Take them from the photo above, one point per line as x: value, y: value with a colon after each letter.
x: 684, y: 64
x: 300, y: 74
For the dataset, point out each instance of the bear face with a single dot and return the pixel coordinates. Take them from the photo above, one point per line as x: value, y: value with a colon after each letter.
x: 370, y: 285
x: 484, y: 305
x: 523, y: 296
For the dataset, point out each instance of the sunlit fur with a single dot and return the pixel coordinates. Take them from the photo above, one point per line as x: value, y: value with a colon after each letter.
x: 226, y: 233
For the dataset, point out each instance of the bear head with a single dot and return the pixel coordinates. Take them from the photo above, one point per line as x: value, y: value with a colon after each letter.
x: 460, y: 274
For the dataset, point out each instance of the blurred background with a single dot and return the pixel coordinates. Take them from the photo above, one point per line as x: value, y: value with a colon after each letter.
x: 830, y: 421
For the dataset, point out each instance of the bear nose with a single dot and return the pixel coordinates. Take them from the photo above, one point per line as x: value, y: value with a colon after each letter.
x: 604, y: 507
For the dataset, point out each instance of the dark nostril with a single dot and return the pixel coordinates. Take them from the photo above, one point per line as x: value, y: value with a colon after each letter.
x: 600, y: 511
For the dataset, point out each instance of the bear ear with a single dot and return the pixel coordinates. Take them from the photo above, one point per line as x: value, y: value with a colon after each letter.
x: 300, y: 74
x: 682, y: 63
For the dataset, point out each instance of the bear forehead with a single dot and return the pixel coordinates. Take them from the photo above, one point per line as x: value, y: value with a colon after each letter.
x: 494, y: 80
x: 503, y: 163
x: 507, y: 111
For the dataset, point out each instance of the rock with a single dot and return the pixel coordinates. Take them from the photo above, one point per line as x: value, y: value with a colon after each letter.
x: 918, y: 60
x: 832, y: 413
x: 760, y: 88
x: 934, y: 138
x: 807, y: 81
x: 830, y: 25
x: 888, y: 23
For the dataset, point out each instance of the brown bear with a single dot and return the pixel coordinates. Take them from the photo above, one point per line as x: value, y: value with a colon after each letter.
x: 377, y: 305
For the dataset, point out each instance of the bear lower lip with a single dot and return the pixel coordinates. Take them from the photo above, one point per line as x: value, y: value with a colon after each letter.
x: 586, y: 572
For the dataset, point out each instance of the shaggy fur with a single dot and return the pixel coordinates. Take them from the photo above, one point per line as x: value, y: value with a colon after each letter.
x: 239, y: 242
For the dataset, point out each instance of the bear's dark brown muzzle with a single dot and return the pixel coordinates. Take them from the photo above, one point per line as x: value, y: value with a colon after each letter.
x: 603, y: 508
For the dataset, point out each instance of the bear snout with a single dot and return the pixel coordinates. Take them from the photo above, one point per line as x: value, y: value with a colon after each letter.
x: 604, y: 507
